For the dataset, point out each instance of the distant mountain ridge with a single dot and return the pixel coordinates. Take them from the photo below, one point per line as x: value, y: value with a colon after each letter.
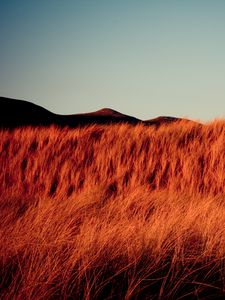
x: 17, y: 113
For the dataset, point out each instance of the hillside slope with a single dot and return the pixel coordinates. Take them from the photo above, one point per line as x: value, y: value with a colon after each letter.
x: 16, y: 113
x: 113, y: 212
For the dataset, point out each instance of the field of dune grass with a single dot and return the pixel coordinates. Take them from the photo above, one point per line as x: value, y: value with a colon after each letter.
x: 113, y: 212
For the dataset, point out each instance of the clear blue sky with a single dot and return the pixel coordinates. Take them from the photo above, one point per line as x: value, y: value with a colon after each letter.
x: 144, y: 58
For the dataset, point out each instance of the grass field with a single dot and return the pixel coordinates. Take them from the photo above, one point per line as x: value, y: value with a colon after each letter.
x: 113, y: 212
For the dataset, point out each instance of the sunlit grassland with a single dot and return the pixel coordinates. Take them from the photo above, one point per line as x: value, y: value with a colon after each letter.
x: 113, y: 212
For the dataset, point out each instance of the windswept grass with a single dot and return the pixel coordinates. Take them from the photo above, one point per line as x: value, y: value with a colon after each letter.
x: 113, y: 212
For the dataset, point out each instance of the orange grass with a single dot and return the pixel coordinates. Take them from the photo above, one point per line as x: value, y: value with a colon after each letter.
x: 113, y: 212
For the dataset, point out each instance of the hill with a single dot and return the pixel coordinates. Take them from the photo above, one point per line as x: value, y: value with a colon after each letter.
x: 16, y: 113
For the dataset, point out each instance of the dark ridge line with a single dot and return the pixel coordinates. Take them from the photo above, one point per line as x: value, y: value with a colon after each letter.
x: 18, y: 113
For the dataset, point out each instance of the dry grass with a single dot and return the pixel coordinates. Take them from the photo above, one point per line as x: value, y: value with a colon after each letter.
x: 113, y: 212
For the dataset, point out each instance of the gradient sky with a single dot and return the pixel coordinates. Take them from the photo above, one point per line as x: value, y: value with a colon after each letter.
x: 144, y: 58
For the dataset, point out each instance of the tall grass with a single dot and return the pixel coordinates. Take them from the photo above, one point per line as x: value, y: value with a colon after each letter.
x: 113, y: 212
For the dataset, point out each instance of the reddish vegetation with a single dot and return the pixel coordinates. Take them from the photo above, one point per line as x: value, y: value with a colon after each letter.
x: 113, y: 212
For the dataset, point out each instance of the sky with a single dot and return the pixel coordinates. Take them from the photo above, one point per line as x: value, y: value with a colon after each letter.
x: 143, y: 58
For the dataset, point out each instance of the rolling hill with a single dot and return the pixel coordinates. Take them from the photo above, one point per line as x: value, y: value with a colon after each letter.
x: 16, y: 113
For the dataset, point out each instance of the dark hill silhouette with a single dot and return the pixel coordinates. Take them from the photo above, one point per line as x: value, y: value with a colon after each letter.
x: 161, y: 120
x: 16, y: 113
x: 102, y: 116
x: 19, y: 112
x: 105, y: 112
